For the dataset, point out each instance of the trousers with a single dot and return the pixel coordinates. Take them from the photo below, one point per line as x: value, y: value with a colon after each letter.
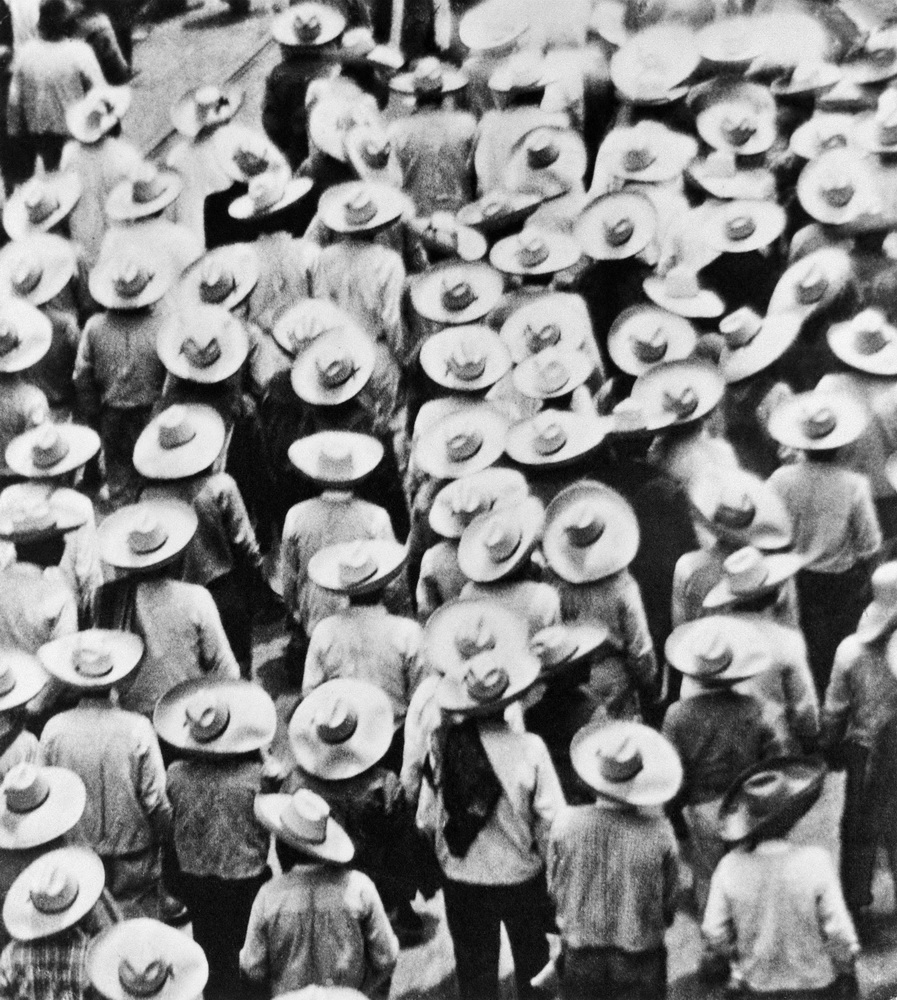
x: 613, y: 974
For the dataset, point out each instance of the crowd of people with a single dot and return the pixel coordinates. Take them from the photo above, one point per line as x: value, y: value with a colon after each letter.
x: 534, y: 371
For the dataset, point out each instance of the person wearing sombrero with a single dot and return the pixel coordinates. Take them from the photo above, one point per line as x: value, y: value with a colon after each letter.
x: 776, y: 914
x: 118, y: 374
x: 434, y: 144
x: 49, y: 458
x: 23, y: 678
x: 717, y: 726
x: 319, y: 897
x: 219, y: 732
x: 612, y: 944
x: 339, y: 735
x: 489, y: 35
x: 835, y: 525
x: 116, y: 754
x: 860, y: 703
x: 491, y: 800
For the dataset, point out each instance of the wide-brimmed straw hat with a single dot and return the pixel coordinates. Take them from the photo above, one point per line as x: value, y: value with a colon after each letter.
x: 722, y: 176
x: 496, y: 543
x: 269, y: 193
x: 361, y: 206
x: 96, y: 114
x: 735, y: 116
x: 53, y: 893
x: 491, y: 26
x: 770, y: 797
x: 95, y: 659
x: 360, y: 567
x: 554, y: 438
x: 535, y: 251
x: 25, y: 335
x: 591, y: 533
x: 812, y: 282
x: 244, y: 153
x: 21, y: 678
x: 304, y: 322
x: 371, y: 154
x: 303, y: 821
x: 648, y: 152
x: 38, y: 804
x: 741, y: 226
x: 41, y: 203
x: 445, y: 238
x: 492, y: 672
x: 847, y: 97
x: 183, y: 440
x: 336, y: 458
x: 468, y: 440
x: 741, y: 509
x: 223, y: 277
x: 462, y: 500
x: 146, y: 534
x: 461, y: 630
x: 730, y: 41
x: 24, y: 521
x: 37, y: 267
x: 806, y: 78
x: 868, y: 342
x: 143, y: 957
x: 878, y: 133
x: 149, y: 190
x: 720, y: 649
x: 212, y: 717
x: 522, y: 72
x: 627, y: 762
x: 308, y: 25
x: 206, y: 344
x: 880, y: 617
x: 546, y: 159
x: 681, y: 391
x: 749, y: 573
x: 51, y: 450
x: 644, y: 336
x: 555, y: 319
x: 205, y: 107
x: 616, y: 226
x: 837, y: 187
x: 680, y: 292
x: 875, y: 62
x: 131, y: 281
x: 429, y: 77
x: 552, y: 373
x: 456, y: 293
x: 560, y: 647
x: 822, y: 133
x: 651, y: 64
x: 465, y: 358
x: 816, y: 420
x: 341, y: 729
x: 335, y: 367
x: 500, y: 211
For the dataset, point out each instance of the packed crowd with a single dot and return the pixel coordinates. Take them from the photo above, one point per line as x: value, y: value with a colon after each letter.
x: 538, y: 371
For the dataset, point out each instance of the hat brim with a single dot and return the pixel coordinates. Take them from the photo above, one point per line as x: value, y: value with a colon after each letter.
x: 756, y: 184
x: 233, y: 341
x: 453, y: 80
x: 674, y: 151
x: 251, y: 726
x: 657, y: 782
x: 121, y: 207
x: 30, y: 679
x: 436, y: 351
x: 583, y: 436
x: 102, y: 288
x: 25, y: 923
x: 459, y: 617
x: 867, y: 137
x: 841, y: 341
x: 589, y: 227
x: 613, y: 551
x: 709, y: 123
x: 67, y: 188
x: 366, y: 746
x: 304, y: 376
x: 851, y: 419
x: 550, y: 309
x: 678, y: 376
x: 835, y: 265
x: 782, y: 567
x: 76, y: 119
x: 517, y: 207
x: 125, y: 648
x: 863, y: 72
x: 711, y: 42
x: 185, y: 118
x: 390, y: 557
x: 783, y: 87
x: 680, y: 53
x: 472, y: 246
x: 153, y: 461
x: 240, y: 259
x: 37, y: 336
x: 810, y: 197
x: 705, y: 305
x: 526, y: 379
x: 807, y: 776
x: 244, y: 208
x: 452, y: 695
x: 473, y: 555
x: 332, y: 22
x: 426, y: 292
x: 681, y: 337
x: 55, y: 816
x: 430, y: 449
x: 770, y: 527
x: 586, y: 639
x: 769, y: 223
x: 877, y: 621
x: 390, y: 205
x: 232, y: 138
x: 186, y: 961
x: 58, y: 266
x: 502, y: 486
x: 180, y: 522
x: 777, y: 334
x: 366, y: 452
x: 65, y: 519
x: 608, y: 22
x: 336, y: 846
x: 752, y: 655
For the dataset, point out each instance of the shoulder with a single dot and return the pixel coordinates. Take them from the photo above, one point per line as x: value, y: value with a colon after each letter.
x: 849, y: 652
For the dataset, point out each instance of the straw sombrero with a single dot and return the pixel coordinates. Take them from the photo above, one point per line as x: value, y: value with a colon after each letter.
x: 97, y: 113
x: 812, y: 282
x: 244, y: 153
x: 875, y: 62
x: 741, y: 509
x: 269, y: 193
x: 837, y: 187
x: 335, y: 367
x: 552, y: 373
x: 680, y: 292
x: 341, y: 729
x: 496, y: 543
x: 720, y: 649
x: 308, y: 25
x: 465, y: 358
x: 722, y: 176
x: 822, y: 133
x: 41, y: 203
x: 372, y: 155
x: 683, y: 391
x: 206, y: 345
x: 560, y: 647
x: 458, y: 503
x: 878, y: 133
x: 648, y: 152
x: 644, y: 336
x: 95, y: 659
x: 500, y: 212
x: 205, y: 107
x: 304, y: 322
x: 360, y: 567
x: 183, y: 440
x: 461, y: 630
x: 302, y: 820
x: 616, y: 226
x: 146, y: 534
x: 650, y: 65
x: 807, y: 77
x: 491, y: 26
x: 742, y: 226
x: 815, y: 420
x: 555, y: 319
x: 730, y: 41
x: 37, y: 267
x: 868, y: 343
x: 38, y: 804
x: 456, y: 294
x: 591, y: 533
x: 554, y: 438
x: 148, y: 191
x: 749, y: 573
x: 486, y: 682
x: 735, y: 116
x: 208, y: 716
x: 222, y: 277
x: 429, y: 76
x: 468, y: 440
x: 25, y: 335
x: 21, y: 678
x: 361, y: 206
x: 131, y: 282
x: 336, y: 458
x: 23, y: 521
x: 535, y: 252
x: 522, y: 72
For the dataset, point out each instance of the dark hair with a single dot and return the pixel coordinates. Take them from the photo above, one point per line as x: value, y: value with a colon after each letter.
x: 54, y: 20
x: 46, y: 552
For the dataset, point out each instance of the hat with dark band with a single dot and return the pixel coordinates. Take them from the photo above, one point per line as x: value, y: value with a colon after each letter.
x: 817, y: 420
x: 653, y: 62
x: 468, y: 440
x: 741, y: 509
x: 335, y: 367
x: 496, y: 543
x: 753, y: 343
x: 555, y: 319
x: 361, y: 206
x: 204, y: 108
x: 536, y: 252
x: 560, y: 647
x: 207, y: 345
x: 644, y: 336
x: 269, y: 193
x: 554, y: 438
x: 719, y: 649
x: 146, y: 534
x: 223, y: 277
x: 741, y: 226
x: 680, y: 292
x: 308, y: 25
x: 336, y: 458
x: 25, y: 335
x: 445, y: 238
x: 303, y: 821
x: 465, y: 358
x: 24, y: 522
x: 429, y: 76
x: 148, y: 191
x: 868, y: 343
x: 749, y: 574
x: 95, y: 659
x: 822, y: 133
x: 456, y: 293
x: 21, y: 678
x: 41, y: 203
x: 97, y: 113
x: 183, y: 440
x: 837, y: 187
x: 616, y: 226
x: 735, y: 116
x: 683, y: 391
x: 37, y: 267
x: 648, y: 152
x: 131, y: 281
x: 457, y: 504
x: 552, y: 373
x: 500, y: 212
x: 38, y: 804
x: 360, y: 567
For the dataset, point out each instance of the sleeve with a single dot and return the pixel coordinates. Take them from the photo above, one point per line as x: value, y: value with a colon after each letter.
x: 637, y: 638
x: 672, y: 879
x: 314, y: 674
x: 91, y: 74
x: 216, y: 656
x: 548, y: 798
x: 554, y: 855
x: 254, y: 953
x: 679, y: 603
x: 418, y: 728
x: 392, y: 285
x: 802, y: 702
x: 64, y: 619
x: 149, y: 780
x: 381, y: 944
x: 864, y: 522
x: 427, y: 595
x: 289, y: 565
x: 836, y: 708
x: 15, y: 116
x: 549, y: 606
x: 84, y: 377
x: 717, y: 928
x: 9, y: 985
x: 835, y: 923
x: 381, y: 526
x: 236, y: 520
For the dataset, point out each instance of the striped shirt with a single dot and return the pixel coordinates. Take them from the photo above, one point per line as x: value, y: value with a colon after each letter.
x: 49, y: 969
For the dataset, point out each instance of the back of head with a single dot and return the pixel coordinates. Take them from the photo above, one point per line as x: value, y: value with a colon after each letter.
x: 55, y: 20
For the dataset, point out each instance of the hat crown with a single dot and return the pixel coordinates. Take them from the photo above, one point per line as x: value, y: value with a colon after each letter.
x: 650, y: 346
x: 538, y: 338
x: 92, y: 658
x: 735, y: 512
x: 210, y: 97
x: 620, y: 761
x: 819, y: 422
x: 336, y: 723
x: 871, y: 332
x: 37, y: 516
x: 619, y: 231
x: 550, y: 437
x: 251, y: 158
x: 49, y: 448
x: 502, y: 540
x: 463, y: 444
x: 681, y: 282
x: 551, y: 375
x: 740, y: 227
x: 584, y: 525
x: 360, y: 208
x: 427, y: 78
x: 681, y: 403
x: 458, y: 296
x: 40, y: 201
x: 765, y: 793
x: 468, y: 501
x: 266, y: 189
x: 27, y: 274
x: 746, y: 571
x: 477, y: 638
x: 486, y: 679
x: 143, y: 975
x: 357, y: 565
x: 739, y: 127
x: 201, y: 351
x: 175, y: 428
x: 740, y: 327
x: 376, y: 150
x: 721, y: 163
x: 806, y: 72
x: 53, y: 890
x: 837, y: 189
x: 713, y: 654
x: 638, y: 156
x: 467, y: 360
x: 206, y: 716
x: 532, y: 250
x: 216, y: 282
x: 147, y: 534
x: 25, y: 788
x: 147, y: 184
x: 541, y: 151
x: 305, y: 816
x: 335, y: 369
x: 131, y: 280
x: 811, y: 286
x: 307, y: 25
x: 493, y: 205
x: 335, y: 461
x: 880, y: 51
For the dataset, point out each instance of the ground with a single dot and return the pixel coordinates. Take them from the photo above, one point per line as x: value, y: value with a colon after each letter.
x: 209, y: 45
